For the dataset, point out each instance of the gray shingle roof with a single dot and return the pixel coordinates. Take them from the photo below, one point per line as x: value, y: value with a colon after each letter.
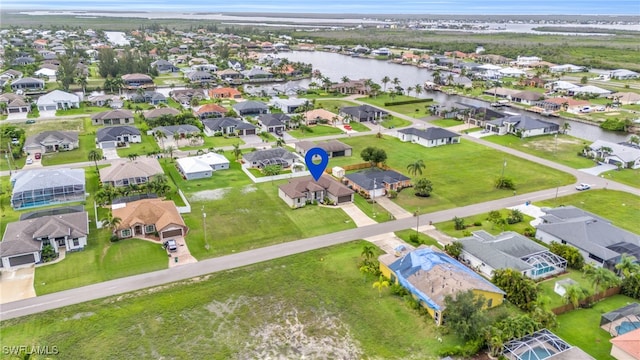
x: 245, y: 106
x: 503, y: 251
x: 52, y: 136
x: 524, y: 122
x: 432, y: 133
x: 180, y: 129
x: 262, y: 155
x: 219, y: 123
x: 367, y: 178
x: 111, y: 133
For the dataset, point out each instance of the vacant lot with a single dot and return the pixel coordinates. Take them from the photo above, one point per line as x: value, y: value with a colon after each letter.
x: 448, y: 227
x: 462, y: 174
x: 629, y: 177
x: 315, y: 131
x: 313, y: 305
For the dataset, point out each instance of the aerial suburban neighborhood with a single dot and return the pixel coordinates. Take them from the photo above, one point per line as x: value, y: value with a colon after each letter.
x: 319, y: 191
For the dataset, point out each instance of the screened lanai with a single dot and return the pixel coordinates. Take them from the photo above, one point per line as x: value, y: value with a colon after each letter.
x: 42, y: 187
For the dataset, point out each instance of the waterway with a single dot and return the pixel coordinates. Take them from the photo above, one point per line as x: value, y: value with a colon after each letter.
x: 335, y: 66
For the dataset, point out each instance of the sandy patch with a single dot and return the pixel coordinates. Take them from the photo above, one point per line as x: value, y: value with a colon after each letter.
x: 550, y: 143
x: 612, y: 113
x: 79, y: 316
x: 216, y: 194
x: 249, y: 189
x: 17, y: 284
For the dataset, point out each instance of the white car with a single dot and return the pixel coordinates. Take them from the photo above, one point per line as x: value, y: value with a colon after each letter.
x: 581, y: 187
x: 29, y: 161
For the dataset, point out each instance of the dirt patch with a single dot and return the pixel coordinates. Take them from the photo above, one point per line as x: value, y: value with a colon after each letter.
x: 79, y: 316
x: 17, y: 284
x: 612, y: 113
x: 216, y: 194
x: 546, y: 144
x: 249, y: 189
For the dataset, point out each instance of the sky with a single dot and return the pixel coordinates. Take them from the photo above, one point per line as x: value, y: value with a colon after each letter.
x: 474, y: 7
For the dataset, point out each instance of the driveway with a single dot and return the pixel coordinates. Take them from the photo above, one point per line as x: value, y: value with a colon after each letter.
x: 393, y: 208
x: 252, y: 139
x: 597, y: 170
x: 110, y: 154
x: 358, y: 216
x: 388, y: 242
x: 17, y: 284
x: 182, y: 254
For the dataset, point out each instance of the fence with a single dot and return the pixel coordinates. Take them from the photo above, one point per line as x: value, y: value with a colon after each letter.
x: 264, y: 179
x: 359, y: 166
x: 591, y: 299
x: 183, y: 209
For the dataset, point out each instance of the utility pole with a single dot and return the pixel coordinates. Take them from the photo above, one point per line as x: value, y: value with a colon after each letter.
x: 504, y: 165
x: 373, y: 199
x: 555, y: 150
x: 204, y: 227
x: 417, y: 221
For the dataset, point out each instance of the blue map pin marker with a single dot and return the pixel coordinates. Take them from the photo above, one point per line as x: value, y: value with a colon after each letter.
x: 316, y: 170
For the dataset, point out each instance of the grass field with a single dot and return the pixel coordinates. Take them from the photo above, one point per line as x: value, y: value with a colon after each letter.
x: 316, y: 131
x: 405, y: 109
x: 565, y: 153
x: 215, y: 142
x: 546, y: 287
x: 359, y: 127
x: 582, y: 327
x: 333, y: 105
x: 422, y: 238
x: 373, y: 211
x: 83, y: 109
x: 316, y: 303
x: 621, y: 208
x: 445, y: 123
x: 629, y: 177
x: 86, y: 143
x: 392, y: 122
x: 462, y: 174
x: 448, y: 227
x: 147, y: 145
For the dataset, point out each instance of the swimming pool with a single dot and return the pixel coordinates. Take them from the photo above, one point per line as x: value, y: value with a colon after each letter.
x: 537, y: 353
x: 542, y: 268
x: 627, y: 326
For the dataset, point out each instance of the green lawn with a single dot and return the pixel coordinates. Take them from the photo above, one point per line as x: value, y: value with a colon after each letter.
x: 445, y: 123
x: 359, y: 127
x: 629, y: 177
x: 316, y: 131
x: 581, y: 327
x: 320, y: 296
x: 448, y: 227
x: 333, y: 105
x: 373, y: 211
x: 545, y: 147
x: 621, y: 208
x: 87, y: 143
x: 215, y: 142
x: 147, y: 145
x: 413, y: 110
x: 83, y: 109
x: 462, y: 174
x: 422, y: 238
x: 392, y: 122
x: 546, y: 287
x: 252, y: 216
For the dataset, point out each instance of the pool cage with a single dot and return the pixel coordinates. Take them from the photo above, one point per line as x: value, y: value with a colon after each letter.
x: 545, y: 264
x: 539, y: 345
x: 621, y: 321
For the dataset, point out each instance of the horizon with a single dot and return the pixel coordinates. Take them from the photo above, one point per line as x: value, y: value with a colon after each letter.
x: 338, y: 7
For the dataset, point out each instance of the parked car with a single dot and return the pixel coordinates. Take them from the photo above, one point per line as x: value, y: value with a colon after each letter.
x: 581, y: 187
x: 30, y: 121
x: 171, y: 245
x: 29, y: 161
x: 37, y: 156
x: 600, y: 108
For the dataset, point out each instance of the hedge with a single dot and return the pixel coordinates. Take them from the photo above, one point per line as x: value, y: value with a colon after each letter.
x: 405, y: 102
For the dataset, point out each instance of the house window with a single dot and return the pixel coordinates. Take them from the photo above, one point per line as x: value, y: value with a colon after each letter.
x: 76, y: 242
x: 125, y: 233
x: 489, y: 303
x: 436, y: 316
x: 149, y: 229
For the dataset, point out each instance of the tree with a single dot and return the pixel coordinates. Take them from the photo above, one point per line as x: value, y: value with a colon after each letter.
x: 280, y: 142
x: 95, y: 155
x: 416, y: 167
x: 569, y: 253
x: 418, y: 89
x: 271, y: 170
x: 373, y: 155
x: 345, y: 79
x: 437, y: 77
x: 454, y: 249
x: 82, y: 81
x: 584, y: 80
x: 160, y: 135
x: 464, y: 314
x: 601, y: 278
x: 634, y: 139
x: 423, y: 187
x: 574, y: 294
x: 111, y: 222
x: 627, y: 265
x: 521, y: 291
x: 494, y: 217
x: 237, y: 152
x: 566, y: 127
x: 368, y: 252
x: 385, y: 80
x: 458, y: 223
x: 381, y: 284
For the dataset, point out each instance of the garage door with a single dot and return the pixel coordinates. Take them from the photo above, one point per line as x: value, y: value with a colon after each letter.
x: 250, y: 132
x: 50, y: 108
x: 338, y: 153
x: 171, y: 233
x: 21, y: 260
x: 344, y: 199
x: 108, y: 145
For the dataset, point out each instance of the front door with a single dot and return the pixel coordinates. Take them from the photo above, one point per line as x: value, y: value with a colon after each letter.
x: 137, y: 229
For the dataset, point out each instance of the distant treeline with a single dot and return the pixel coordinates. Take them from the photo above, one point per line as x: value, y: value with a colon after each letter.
x: 585, y: 30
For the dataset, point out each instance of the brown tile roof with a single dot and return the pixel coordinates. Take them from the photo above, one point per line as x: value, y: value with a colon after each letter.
x: 161, y: 213
x: 156, y: 113
x: 329, y: 146
x: 141, y: 167
x: 320, y: 114
x: 228, y: 91
x: 298, y: 187
x: 208, y: 108
x: 629, y: 343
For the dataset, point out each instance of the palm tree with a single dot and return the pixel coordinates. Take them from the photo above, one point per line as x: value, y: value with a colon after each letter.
x: 111, y: 222
x: 367, y: 252
x: 237, y: 151
x: 82, y: 81
x: 628, y: 265
x: 449, y: 79
x: 280, y: 142
x: 574, y: 294
x: 345, y: 79
x: 381, y: 284
x: 160, y: 135
x: 566, y: 127
x: 132, y: 156
x: 95, y: 155
x: 437, y: 77
x: 416, y: 167
x: 602, y: 279
x: 395, y: 82
x: 385, y: 80
x: 409, y: 90
x: 418, y: 89
x: 634, y: 139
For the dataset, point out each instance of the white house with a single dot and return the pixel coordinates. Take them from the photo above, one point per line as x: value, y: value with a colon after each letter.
x: 623, y: 74
x: 431, y: 137
x: 58, y: 100
x: 202, y: 166
x: 289, y: 105
x: 567, y: 68
x: 626, y: 155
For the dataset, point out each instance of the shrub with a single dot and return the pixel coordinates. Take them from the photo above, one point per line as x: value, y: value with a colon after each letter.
x: 114, y: 238
x: 458, y: 223
x: 392, y: 194
x: 411, y: 302
x: 504, y: 183
x: 398, y: 290
x: 414, y: 239
x: 405, y: 102
x: 477, y: 223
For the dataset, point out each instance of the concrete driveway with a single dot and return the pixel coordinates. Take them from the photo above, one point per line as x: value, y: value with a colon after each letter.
x: 182, y: 253
x: 17, y: 284
x: 393, y: 208
x: 358, y: 216
x: 597, y: 170
x: 110, y: 154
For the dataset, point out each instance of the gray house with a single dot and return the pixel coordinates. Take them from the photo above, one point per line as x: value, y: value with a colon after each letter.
x: 109, y: 137
x: 297, y: 192
x: 113, y: 117
x: 431, y: 137
x: 250, y: 108
x: 273, y: 123
x: 521, y: 126
x: 261, y: 158
x: 363, y: 113
x: 599, y: 241
x: 51, y: 141
x: 334, y: 148
x: 42, y: 187
x: 27, y: 84
x: 228, y: 126
x: 164, y: 66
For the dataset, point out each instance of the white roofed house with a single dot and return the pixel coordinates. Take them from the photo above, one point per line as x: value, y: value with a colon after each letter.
x: 589, y: 90
x: 626, y: 155
x: 202, y: 166
x: 42, y: 187
x: 430, y: 137
x: 51, y: 141
x: 58, y: 100
x: 623, y: 74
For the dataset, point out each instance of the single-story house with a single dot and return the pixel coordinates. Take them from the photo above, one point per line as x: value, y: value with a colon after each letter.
x: 202, y: 166
x: 250, y: 108
x: 156, y: 113
x: 522, y: 126
x: 227, y: 126
x: 182, y: 130
x: 626, y: 346
x: 509, y: 250
x: 273, y: 123
x: 261, y: 158
x: 149, y: 97
x: 23, y: 240
x: 567, y: 68
x: 129, y: 172
x: 480, y: 115
x: 289, y: 106
x: 527, y: 97
x: 363, y: 113
x: 334, y: 148
x: 256, y: 74
x: 297, y: 192
x: 589, y: 90
x: 315, y: 116
x: 135, y: 81
x: 352, y: 87
x: 376, y: 182
x: 46, y: 72
x: 562, y: 104
x: 51, y: 141
x: 623, y: 74
x: 23, y: 60
x: 111, y: 136
x: 625, y: 154
x: 43, y: 187
x: 625, y: 98
x: 14, y: 103
x: 113, y: 117
x: 185, y: 96
x: 430, y: 137
x: 229, y: 75
x: 200, y: 77
x: 211, y: 111
x: 430, y: 275
x: 225, y: 93
x: 599, y: 242
x: 560, y: 85
x: 11, y: 74
x: 149, y: 217
x: 112, y: 101
x: 164, y: 66
x: 500, y: 92
x: 58, y: 100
